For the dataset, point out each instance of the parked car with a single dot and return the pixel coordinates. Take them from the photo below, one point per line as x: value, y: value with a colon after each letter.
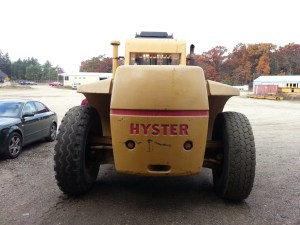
x: 32, y: 83
x: 75, y: 85
x: 55, y: 84
x: 24, y: 82
x: 23, y: 122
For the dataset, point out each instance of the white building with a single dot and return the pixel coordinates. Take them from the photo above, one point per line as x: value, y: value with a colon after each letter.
x: 286, y: 83
x: 280, y: 80
x: 67, y: 79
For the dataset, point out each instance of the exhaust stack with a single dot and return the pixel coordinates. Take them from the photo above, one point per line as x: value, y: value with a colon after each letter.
x: 115, y: 45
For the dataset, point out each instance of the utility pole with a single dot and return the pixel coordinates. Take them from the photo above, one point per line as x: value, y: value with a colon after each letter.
x: 253, y: 82
x: 49, y: 75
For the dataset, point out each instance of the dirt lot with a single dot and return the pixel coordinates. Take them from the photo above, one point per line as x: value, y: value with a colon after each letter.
x: 29, y: 194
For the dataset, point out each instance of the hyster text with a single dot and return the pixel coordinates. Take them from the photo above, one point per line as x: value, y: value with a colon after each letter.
x: 159, y: 129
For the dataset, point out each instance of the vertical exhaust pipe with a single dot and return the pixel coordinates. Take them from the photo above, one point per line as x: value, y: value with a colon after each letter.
x: 115, y: 45
x: 192, y: 59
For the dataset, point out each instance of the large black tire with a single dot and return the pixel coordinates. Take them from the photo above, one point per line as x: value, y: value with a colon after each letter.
x: 13, y: 146
x: 233, y: 179
x: 74, y: 171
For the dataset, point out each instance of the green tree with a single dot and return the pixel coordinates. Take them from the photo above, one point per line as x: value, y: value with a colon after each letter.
x: 48, y: 72
x: 274, y: 64
x: 19, y: 70
x: 33, y: 72
x: 5, y: 63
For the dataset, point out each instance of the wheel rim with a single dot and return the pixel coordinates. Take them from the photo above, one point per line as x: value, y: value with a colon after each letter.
x: 14, y: 146
x: 53, y: 132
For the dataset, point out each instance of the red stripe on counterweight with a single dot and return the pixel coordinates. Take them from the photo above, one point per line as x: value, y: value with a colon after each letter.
x: 130, y: 112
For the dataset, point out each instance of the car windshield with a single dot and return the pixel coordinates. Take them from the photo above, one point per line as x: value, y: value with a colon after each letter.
x: 9, y: 109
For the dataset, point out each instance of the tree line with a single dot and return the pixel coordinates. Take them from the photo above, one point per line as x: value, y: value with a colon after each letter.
x: 28, y: 69
x: 247, y: 62
x: 239, y: 67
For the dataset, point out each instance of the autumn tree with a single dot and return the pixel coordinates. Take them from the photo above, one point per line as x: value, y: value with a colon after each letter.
x: 263, y: 67
x: 256, y: 51
x: 197, y: 59
x: 237, y: 65
x: 97, y: 64
x: 212, y: 63
x: 288, y: 58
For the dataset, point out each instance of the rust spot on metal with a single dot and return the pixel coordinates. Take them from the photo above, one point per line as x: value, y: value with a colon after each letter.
x: 150, y: 147
x: 120, y: 119
x: 160, y: 144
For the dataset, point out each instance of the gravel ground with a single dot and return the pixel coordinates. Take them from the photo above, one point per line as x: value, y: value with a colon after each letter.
x: 29, y: 194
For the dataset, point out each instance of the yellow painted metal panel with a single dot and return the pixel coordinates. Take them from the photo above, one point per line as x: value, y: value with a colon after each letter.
x: 289, y: 90
x: 99, y: 87
x: 159, y: 87
x: 216, y: 88
x: 158, y: 147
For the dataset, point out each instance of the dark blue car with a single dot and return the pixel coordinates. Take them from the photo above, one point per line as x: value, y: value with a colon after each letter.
x: 23, y: 122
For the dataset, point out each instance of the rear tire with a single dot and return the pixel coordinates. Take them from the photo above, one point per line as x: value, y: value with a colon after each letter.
x: 74, y: 172
x: 233, y: 179
x: 53, y: 132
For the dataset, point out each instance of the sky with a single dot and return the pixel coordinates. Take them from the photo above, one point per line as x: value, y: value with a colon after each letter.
x: 68, y: 32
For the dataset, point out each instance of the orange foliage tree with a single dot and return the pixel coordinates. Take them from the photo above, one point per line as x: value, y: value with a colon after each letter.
x: 256, y: 51
x: 213, y: 62
x: 97, y: 64
x: 263, y: 67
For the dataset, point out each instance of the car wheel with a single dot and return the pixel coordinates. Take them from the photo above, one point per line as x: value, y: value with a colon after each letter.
x: 74, y: 171
x: 233, y: 179
x: 53, y: 132
x: 14, y: 146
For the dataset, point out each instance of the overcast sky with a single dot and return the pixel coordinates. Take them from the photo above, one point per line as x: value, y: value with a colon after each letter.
x: 68, y: 32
